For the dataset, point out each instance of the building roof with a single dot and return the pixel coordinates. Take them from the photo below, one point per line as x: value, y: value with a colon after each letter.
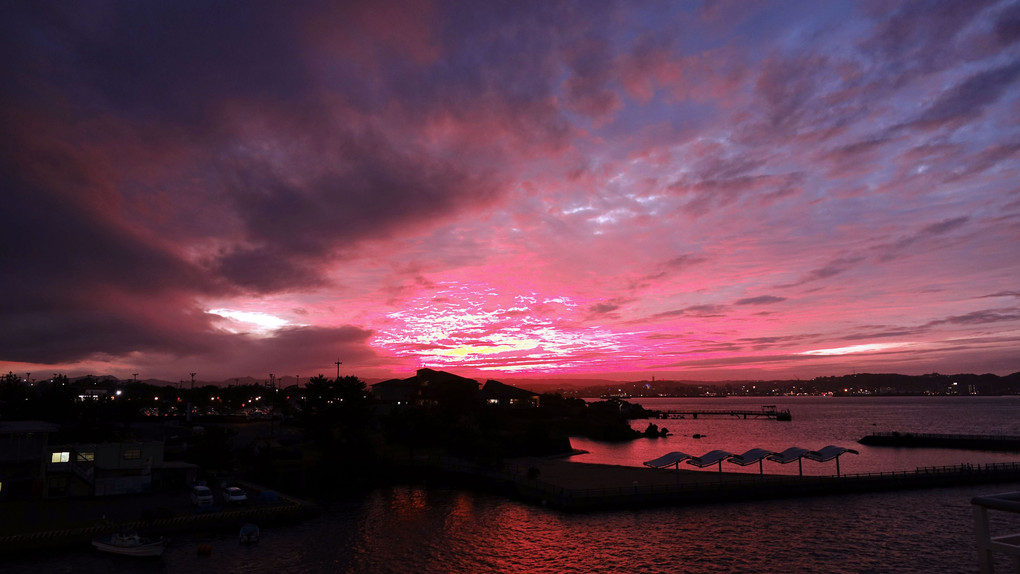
x: 25, y: 427
x: 397, y: 383
x: 498, y: 390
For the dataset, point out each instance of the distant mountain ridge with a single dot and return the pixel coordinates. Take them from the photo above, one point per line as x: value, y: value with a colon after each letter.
x: 852, y: 384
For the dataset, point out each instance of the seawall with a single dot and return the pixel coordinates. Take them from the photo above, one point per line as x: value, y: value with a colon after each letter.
x: 921, y: 440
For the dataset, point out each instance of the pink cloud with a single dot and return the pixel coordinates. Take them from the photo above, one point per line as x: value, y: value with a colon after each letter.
x: 711, y: 192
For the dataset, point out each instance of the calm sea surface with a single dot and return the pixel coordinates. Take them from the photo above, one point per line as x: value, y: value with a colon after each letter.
x: 431, y: 530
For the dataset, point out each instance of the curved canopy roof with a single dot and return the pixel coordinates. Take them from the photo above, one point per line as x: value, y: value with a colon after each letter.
x: 828, y: 453
x: 792, y: 454
x: 710, y: 458
x: 750, y: 457
x: 668, y: 460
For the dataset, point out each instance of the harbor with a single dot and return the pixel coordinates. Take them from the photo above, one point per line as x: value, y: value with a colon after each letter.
x: 69, y: 523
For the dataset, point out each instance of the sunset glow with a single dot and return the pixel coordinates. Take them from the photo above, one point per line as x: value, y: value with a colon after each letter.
x: 716, y: 190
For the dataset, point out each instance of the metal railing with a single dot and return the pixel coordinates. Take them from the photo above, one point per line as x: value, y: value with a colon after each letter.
x: 988, y: 545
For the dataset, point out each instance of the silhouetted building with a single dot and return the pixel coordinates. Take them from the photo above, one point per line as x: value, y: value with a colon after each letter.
x: 497, y: 393
x: 397, y: 391
x: 427, y: 388
x: 23, y: 446
x: 111, y: 468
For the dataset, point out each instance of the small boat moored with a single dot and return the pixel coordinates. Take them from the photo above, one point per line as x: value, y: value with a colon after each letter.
x: 249, y: 534
x: 130, y: 544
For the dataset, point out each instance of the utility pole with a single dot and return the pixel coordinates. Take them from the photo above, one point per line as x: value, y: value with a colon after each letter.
x: 338, y: 363
x: 193, y: 381
x: 135, y: 375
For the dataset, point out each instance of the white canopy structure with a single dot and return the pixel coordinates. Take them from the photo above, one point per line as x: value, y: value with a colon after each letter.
x: 673, y: 458
x: 829, y: 453
x: 794, y: 453
x: 750, y: 457
x: 710, y: 458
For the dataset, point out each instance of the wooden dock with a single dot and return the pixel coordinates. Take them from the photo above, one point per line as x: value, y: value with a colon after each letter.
x: 766, y: 412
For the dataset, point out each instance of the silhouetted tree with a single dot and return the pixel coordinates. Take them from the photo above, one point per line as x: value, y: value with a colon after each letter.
x: 336, y: 410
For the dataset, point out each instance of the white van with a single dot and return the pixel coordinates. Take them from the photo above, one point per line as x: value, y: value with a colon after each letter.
x: 201, y: 495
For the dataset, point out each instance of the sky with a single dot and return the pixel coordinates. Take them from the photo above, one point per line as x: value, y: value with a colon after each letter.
x: 720, y: 190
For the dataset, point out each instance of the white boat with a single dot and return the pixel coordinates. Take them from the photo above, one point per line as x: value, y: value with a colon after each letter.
x: 249, y: 534
x: 130, y: 544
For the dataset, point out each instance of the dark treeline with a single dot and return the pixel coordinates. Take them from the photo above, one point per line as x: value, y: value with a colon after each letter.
x: 329, y: 433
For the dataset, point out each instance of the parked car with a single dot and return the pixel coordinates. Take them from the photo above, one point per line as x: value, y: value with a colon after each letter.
x: 201, y: 495
x: 234, y: 495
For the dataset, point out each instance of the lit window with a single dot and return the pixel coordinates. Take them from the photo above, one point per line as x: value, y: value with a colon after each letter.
x: 60, y: 457
x: 86, y: 456
x: 132, y: 454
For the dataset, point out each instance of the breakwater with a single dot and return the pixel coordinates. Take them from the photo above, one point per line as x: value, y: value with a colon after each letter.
x: 581, y: 487
x: 728, y: 487
x: 933, y: 440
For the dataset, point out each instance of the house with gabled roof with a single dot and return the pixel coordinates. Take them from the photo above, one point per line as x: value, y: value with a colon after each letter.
x: 427, y: 387
x: 501, y: 394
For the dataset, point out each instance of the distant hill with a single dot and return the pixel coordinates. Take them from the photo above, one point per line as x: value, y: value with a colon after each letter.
x: 857, y: 384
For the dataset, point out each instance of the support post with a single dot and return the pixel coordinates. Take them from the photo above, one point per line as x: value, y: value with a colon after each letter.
x: 986, y: 562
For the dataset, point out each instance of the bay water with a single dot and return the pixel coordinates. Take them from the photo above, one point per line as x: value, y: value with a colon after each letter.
x: 429, y: 529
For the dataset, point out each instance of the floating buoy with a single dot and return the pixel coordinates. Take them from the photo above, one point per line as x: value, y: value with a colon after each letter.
x: 204, y: 550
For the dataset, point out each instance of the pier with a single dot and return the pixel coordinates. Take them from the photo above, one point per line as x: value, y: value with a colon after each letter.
x: 766, y: 412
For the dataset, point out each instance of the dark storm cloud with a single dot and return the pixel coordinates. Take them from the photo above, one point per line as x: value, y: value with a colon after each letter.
x: 79, y: 282
x: 179, y: 81
x: 373, y: 191
x: 170, y: 61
